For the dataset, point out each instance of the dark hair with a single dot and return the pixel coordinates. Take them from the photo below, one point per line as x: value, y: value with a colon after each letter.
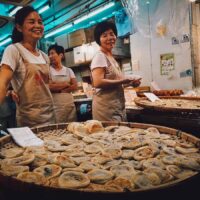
x: 101, y: 28
x: 59, y: 49
x: 19, y: 19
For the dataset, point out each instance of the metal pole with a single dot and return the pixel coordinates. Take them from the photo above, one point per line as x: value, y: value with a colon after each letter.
x: 194, y: 80
x: 150, y: 45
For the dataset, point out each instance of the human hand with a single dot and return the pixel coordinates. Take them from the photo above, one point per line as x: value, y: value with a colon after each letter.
x: 66, y: 90
x: 136, y: 82
x: 126, y: 81
x: 15, y: 97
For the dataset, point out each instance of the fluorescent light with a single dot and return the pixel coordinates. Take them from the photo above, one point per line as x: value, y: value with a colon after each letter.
x: 43, y: 9
x: 93, y: 13
x: 11, y: 13
x: 67, y: 26
x: 4, y: 37
x: 92, y: 22
x: 6, y: 41
x: 83, y: 18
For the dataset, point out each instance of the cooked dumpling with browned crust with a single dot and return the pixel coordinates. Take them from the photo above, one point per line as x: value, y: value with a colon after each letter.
x: 72, y: 179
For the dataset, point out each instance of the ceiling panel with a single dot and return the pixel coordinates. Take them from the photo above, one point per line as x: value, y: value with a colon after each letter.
x: 17, y: 2
x: 3, y: 21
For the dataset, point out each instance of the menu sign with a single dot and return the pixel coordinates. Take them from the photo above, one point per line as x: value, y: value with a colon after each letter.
x: 167, y: 63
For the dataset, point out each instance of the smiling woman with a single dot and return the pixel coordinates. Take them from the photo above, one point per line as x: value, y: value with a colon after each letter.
x: 27, y: 68
x: 108, y: 102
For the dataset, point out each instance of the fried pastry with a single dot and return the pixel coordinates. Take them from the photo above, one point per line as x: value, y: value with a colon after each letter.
x: 100, y: 176
x: 112, y: 187
x: 153, y: 162
x: 48, y: 171
x: 186, y: 150
x: 73, y: 180
x: 13, y: 170
x: 36, y: 150
x: 64, y: 161
x: 39, y: 160
x: 122, y: 170
x: 92, y: 148
x: 79, y: 160
x: 145, y: 152
x: 111, y: 163
x: 87, y: 166
x: 32, y: 177
x: 152, y: 132
x: 127, y: 154
x: 189, y: 163
x: 113, y: 152
x: 101, y: 159
x: 11, y: 153
x: 69, y: 139
x: 142, y: 181
x: 21, y: 160
x: 94, y: 126
x: 162, y: 174
x: 178, y: 172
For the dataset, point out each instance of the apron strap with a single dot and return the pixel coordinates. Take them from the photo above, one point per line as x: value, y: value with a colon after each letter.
x: 21, y: 54
x: 45, y: 57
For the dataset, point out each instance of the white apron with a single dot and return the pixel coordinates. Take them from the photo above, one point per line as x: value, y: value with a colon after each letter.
x: 64, y: 106
x: 36, y: 103
x: 109, y: 104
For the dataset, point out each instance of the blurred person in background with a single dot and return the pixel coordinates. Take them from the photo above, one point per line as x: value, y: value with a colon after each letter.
x: 62, y: 83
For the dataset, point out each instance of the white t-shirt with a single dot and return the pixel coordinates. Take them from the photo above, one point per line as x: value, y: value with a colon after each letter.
x: 64, y: 74
x: 13, y: 59
x: 99, y: 60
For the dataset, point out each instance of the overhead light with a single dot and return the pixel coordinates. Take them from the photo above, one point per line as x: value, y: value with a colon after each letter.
x: 92, y: 22
x: 83, y: 18
x: 104, y: 18
x: 4, y: 37
x: 93, y: 13
x: 65, y: 27
x: 43, y: 9
x: 13, y: 11
x: 6, y: 41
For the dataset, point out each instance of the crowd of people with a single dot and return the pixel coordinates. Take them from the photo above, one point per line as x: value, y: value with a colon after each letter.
x: 42, y: 86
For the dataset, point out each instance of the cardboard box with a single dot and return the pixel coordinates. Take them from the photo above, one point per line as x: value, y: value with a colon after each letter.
x: 62, y: 40
x: 79, y: 55
x: 80, y: 37
x: 89, y: 32
x: 69, y: 59
x: 91, y: 50
x: 76, y: 38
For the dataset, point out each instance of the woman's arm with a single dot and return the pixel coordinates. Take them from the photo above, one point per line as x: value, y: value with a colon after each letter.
x: 134, y: 83
x: 58, y: 87
x: 99, y: 81
x: 6, y: 74
x: 72, y: 87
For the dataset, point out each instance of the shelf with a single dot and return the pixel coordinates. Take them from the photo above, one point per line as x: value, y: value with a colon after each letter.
x: 85, y: 64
